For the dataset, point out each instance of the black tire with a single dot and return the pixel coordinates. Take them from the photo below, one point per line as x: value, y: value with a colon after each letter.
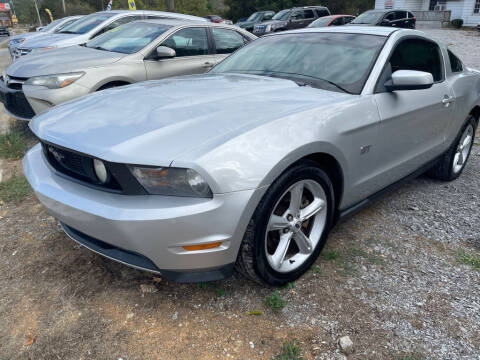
x: 251, y: 260
x: 443, y: 169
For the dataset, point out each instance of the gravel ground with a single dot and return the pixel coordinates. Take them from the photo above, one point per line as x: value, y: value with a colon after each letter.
x: 391, y: 279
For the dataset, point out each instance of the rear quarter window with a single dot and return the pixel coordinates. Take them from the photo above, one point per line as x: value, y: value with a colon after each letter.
x: 455, y: 63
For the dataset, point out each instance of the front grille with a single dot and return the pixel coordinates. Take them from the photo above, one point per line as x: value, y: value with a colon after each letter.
x: 260, y: 29
x: 15, y: 83
x: 16, y: 103
x: 77, y: 166
x: 22, y: 51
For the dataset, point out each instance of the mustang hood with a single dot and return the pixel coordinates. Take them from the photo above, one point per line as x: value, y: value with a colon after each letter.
x: 59, y: 61
x: 152, y: 123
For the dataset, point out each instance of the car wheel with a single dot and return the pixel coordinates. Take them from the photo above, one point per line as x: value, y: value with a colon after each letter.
x: 289, y: 227
x: 452, y: 163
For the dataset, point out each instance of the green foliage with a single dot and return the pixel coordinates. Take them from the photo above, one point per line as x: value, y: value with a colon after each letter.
x: 469, y: 259
x: 317, y: 269
x: 255, y: 312
x: 275, y: 301
x: 289, y: 285
x: 220, y: 292
x: 290, y: 351
x: 12, y: 145
x: 331, y: 255
x: 14, y: 189
x: 457, y: 23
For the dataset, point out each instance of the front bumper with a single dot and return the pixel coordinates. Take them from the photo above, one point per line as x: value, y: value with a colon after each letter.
x: 15, y: 103
x: 149, y: 227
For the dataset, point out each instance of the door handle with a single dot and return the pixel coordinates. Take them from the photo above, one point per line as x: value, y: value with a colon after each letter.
x: 447, y: 100
x: 207, y: 64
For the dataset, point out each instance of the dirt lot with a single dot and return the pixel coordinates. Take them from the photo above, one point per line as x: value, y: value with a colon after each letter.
x: 401, y: 279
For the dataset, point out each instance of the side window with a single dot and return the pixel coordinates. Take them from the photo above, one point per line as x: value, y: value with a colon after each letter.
x: 400, y: 15
x: 338, y: 21
x: 227, y: 41
x: 322, y: 12
x: 410, y: 15
x: 308, y: 14
x: 188, y: 42
x: 347, y: 19
x: 417, y: 54
x: 297, y: 15
x: 118, y: 22
x: 390, y: 16
x: 455, y: 62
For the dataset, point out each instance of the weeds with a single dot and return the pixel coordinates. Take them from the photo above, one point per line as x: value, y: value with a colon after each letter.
x: 331, y: 255
x: 12, y: 145
x: 14, y: 189
x: 220, y: 292
x: 290, y: 351
x: 275, y: 301
x: 289, y: 285
x: 469, y: 259
x: 317, y: 269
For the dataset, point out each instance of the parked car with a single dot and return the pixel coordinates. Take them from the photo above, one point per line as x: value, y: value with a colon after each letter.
x: 394, y: 18
x: 218, y: 19
x: 138, y: 51
x: 294, y: 18
x: 91, y: 26
x: 255, y: 18
x: 252, y: 163
x: 54, y: 27
x: 4, y: 31
x: 332, y: 20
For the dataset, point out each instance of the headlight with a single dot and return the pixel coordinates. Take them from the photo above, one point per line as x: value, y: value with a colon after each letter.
x: 268, y: 28
x: 55, y: 81
x: 36, y: 50
x: 17, y: 41
x: 172, y: 181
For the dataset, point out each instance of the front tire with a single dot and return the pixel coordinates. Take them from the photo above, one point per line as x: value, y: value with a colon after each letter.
x: 452, y: 163
x: 289, y: 227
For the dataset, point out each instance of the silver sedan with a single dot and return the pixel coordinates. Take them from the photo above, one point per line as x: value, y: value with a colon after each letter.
x: 252, y: 164
x: 137, y: 51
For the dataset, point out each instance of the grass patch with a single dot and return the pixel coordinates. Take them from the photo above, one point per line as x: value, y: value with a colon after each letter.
x: 255, y: 312
x: 12, y: 145
x: 317, y: 269
x: 220, y: 292
x: 469, y: 259
x: 275, y: 301
x: 14, y: 189
x: 290, y: 351
x: 331, y: 255
x: 289, y: 285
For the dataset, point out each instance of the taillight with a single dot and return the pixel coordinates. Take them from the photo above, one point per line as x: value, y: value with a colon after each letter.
x: 414, y: 18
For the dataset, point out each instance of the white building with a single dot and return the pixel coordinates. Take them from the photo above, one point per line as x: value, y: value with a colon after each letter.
x: 468, y: 10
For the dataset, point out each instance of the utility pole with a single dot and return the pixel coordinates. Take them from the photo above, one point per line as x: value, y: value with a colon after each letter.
x: 38, y: 13
x: 63, y: 4
x: 170, y: 5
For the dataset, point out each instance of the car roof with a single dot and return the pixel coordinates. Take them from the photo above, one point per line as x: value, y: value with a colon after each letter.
x: 180, y: 22
x: 385, y: 10
x: 348, y: 29
x: 336, y: 16
x: 152, y: 12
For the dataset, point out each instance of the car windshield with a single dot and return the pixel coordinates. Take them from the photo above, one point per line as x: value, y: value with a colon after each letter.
x: 331, y: 61
x: 369, y: 17
x: 86, y: 23
x: 128, y: 38
x: 323, y: 21
x: 52, y: 25
x: 64, y: 25
x: 282, y: 15
x: 255, y: 16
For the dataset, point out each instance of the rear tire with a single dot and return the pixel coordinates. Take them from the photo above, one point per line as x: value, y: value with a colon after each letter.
x: 451, y: 164
x: 281, y: 242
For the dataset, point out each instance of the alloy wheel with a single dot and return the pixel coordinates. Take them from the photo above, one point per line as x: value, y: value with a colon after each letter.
x: 463, y: 149
x: 295, y: 225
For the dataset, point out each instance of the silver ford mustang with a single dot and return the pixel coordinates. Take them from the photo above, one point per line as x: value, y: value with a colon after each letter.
x: 252, y: 163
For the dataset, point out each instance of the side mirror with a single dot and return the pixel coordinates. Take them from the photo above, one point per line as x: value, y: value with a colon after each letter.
x: 164, y: 52
x: 409, y: 80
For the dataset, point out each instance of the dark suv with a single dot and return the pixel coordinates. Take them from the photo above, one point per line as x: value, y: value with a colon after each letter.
x: 394, y: 18
x: 288, y: 19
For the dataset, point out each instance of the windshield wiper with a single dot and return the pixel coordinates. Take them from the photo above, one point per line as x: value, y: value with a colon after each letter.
x: 98, y: 48
x: 67, y: 32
